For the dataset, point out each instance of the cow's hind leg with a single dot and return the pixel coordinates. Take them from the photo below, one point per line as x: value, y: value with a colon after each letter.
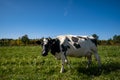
x: 98, y: 59
x: 89, y: 61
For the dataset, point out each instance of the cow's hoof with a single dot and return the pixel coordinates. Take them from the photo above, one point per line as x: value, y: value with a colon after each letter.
x: 87, y: 67
x: 62, y: 70
x: 100, y: 69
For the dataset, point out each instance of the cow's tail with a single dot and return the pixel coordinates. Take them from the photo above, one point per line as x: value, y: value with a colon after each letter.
x: 94, y: 40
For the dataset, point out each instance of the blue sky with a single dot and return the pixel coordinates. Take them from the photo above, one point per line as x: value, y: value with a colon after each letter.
x: 43, y: 18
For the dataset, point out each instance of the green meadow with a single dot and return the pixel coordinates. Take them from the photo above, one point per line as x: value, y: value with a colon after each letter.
x: 26, y: 63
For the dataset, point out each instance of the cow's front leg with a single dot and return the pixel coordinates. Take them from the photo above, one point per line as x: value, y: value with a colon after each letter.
x: 62, y: 68
x: 67, y: 62
x: 63, y: 62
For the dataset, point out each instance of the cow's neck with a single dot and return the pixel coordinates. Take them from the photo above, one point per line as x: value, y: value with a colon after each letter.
x: 55, y: 48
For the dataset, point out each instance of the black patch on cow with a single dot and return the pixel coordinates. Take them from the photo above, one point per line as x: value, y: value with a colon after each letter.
x: 68, y: 39
x: 55, y: 46
x: 68, y: 47
x: 94, y: 41
x: 82, y: 37
x: 64, y: 48
x: 77, y: 45
x: 74, y: 39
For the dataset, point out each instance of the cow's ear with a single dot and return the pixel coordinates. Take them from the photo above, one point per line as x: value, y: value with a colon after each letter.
x: 49, y: 38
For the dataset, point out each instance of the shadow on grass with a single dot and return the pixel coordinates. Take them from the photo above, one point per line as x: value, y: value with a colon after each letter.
x: 95, y: 71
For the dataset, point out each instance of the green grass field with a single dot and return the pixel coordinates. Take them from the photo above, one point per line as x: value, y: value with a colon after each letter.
x: 26, y: 63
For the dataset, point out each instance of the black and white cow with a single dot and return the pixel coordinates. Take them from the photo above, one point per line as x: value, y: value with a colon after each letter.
x: 71, y: 45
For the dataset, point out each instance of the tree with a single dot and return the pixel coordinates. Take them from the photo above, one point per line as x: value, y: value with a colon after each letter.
x: 25, y: 39
x: 110, y: 42
x: 95, y: 36
x: 116, y: 38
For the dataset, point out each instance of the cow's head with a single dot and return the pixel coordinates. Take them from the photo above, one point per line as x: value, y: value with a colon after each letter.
x: 49, y: 44
x: 46, y: 43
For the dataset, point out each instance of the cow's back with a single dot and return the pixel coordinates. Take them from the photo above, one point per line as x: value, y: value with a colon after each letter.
x: 77, y: 46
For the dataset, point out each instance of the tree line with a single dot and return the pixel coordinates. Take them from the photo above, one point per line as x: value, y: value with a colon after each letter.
x: 25, y: 41
x: 21, y: 41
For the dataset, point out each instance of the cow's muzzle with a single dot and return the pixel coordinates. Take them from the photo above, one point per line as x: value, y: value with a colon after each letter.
x: 44, y: 53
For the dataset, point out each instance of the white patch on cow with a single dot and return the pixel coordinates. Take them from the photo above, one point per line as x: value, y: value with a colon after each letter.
x: 91, y: 37
x: 45, y: 41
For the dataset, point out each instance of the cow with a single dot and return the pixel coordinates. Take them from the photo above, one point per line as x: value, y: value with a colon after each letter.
x: 70, y: 45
